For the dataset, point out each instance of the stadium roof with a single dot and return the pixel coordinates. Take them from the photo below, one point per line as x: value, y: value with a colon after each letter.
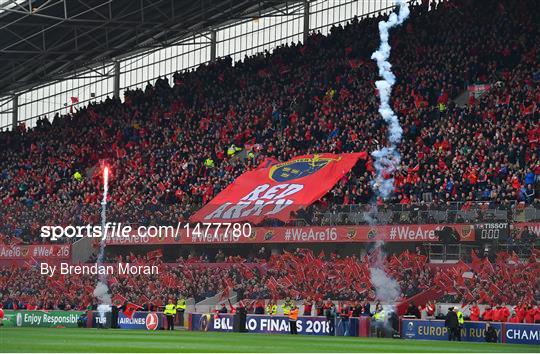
x: 46, y: 40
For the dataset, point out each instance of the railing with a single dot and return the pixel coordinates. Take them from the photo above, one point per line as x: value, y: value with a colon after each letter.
x: 430, y: 213
x: 448, y: 253
x: 440, y: 252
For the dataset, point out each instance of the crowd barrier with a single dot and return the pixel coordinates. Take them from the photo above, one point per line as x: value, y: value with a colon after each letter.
x: 472, y: 331
x: 24, y: 318
x: 308, y: 325
x: 514, y: 333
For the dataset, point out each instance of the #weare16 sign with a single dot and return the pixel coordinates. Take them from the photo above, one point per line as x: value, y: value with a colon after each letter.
x: 276, y: 191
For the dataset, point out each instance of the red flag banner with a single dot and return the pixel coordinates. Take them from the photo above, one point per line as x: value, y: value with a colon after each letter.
x: 285, y: 282
x: 487, y: 265
x: 462, y: 266
x: 89, y: 289
x: 272, y: 284
x: 494, y: 289
x: 475, y: 261
x: 484, y: 297
x: 154, y: 254
x: 225, y: 293
x: 132, y: 283
x: 228, y: 286
x: 143, y: 299
x: 118, y: 300
x: 275, y: 192
x: 130, y: 309
x: 152, y: 287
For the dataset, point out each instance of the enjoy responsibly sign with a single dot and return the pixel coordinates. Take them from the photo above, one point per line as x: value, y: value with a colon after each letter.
x: 22, y: 318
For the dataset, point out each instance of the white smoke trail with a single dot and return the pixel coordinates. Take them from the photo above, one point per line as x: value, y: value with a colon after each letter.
x: 386, y: 289
x: 101, y: 292
x: 387, y: 159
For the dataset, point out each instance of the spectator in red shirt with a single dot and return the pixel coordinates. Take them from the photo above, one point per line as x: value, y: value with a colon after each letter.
x: 475, y: 312
x: 488, y: 314
x: 308, y: 304
x: 504, y: 313
x: 537, y: 315
x: 319, y: 307
x: 496, y: 314
x: 514, y: 318
x: 430, y: 309
x: 530, y: 314
x: 520, y: 311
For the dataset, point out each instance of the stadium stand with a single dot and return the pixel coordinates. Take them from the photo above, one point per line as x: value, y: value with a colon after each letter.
x: 457, y: 159
x: 318, y: 97
x: 319, y: 277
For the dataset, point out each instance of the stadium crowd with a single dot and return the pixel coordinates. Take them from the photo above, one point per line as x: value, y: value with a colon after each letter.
x: 168, y: 145
x: 294, y: 275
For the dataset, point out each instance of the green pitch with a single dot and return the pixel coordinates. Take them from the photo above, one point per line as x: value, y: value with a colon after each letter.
x: 94, y: 340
